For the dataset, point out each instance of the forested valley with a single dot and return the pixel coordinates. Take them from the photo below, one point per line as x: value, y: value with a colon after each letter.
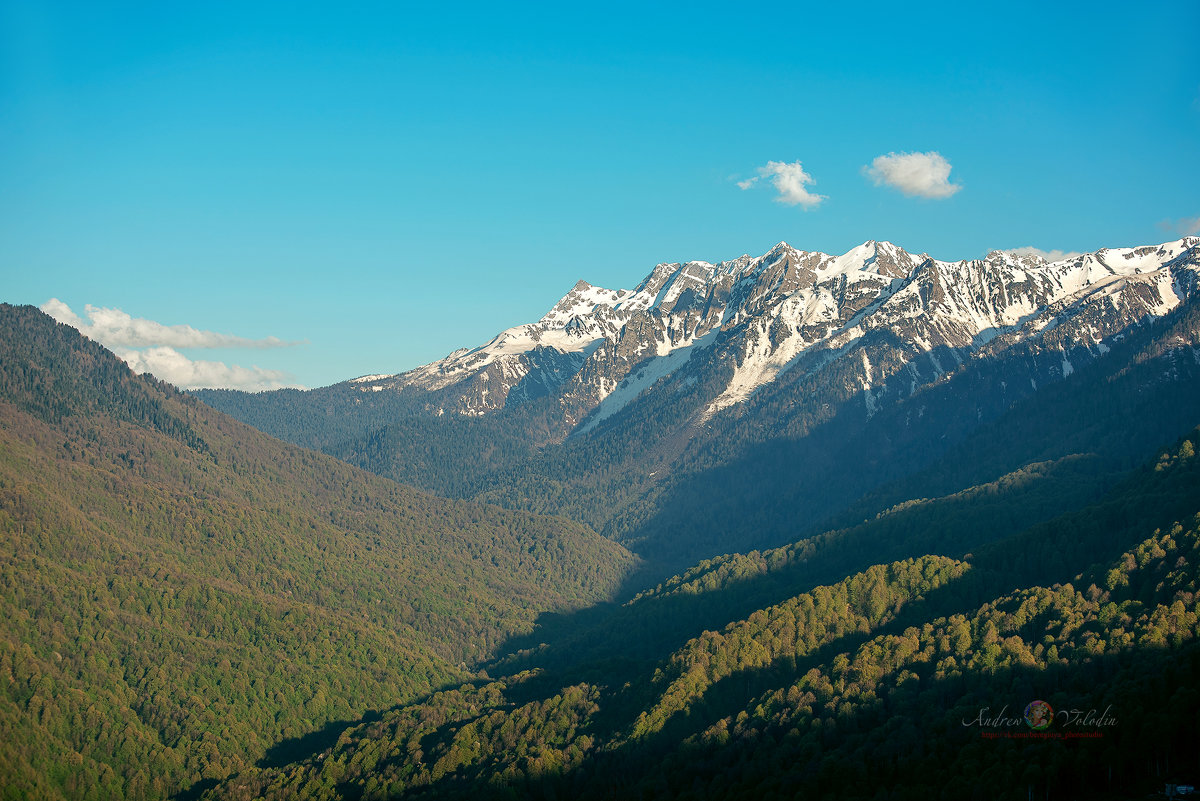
x: 886, y: 683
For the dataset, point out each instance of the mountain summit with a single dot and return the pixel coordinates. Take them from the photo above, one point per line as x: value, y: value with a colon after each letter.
x: 884, y: 309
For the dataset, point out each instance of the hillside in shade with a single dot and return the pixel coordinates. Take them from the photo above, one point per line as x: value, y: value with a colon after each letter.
x: 182, y: 596
x: 906, y: 679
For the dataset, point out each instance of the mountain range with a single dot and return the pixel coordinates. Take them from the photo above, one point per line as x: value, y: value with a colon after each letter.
x: 889, y: 312
x: 768, y: 396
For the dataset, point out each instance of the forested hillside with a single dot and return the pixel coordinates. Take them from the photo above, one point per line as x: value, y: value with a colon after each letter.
x: 182, y: 596
x: 904, y: 680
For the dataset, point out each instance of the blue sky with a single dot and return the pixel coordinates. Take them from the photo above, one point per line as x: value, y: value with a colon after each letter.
x: 381, y: 185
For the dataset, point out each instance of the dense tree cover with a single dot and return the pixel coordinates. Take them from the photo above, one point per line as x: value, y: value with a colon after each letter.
x: 896, y: 682
x: 478, y: 732
x: 893, y: 712
x: 715, y: 591
x: 312, y: 418
x: 459, y: 457
x: 181, y: 593
x: 987, y: 524
x: 58, y: 376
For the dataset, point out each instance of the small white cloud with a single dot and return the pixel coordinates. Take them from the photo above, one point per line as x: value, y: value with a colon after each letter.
x: 173, y: 367
x: 1188, y: 226
x: 790, y: 181
x: 149, y: 347
x: 1048, y: 255
x: 914, y: 174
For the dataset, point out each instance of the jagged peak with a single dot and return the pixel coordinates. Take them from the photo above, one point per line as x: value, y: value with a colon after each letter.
x: 657, y: 276
x: 782, y: 250
x: 880, y: 246
x: 1016, y: 256
x: 857, y: 259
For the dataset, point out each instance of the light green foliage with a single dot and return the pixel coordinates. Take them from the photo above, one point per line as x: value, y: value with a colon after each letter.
x: 180, y: 593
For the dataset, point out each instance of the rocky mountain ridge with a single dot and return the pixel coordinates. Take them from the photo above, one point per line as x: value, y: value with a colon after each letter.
x: 889, y: 311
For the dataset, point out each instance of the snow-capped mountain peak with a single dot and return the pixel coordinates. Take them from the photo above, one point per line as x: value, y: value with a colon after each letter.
x: 882, y: 308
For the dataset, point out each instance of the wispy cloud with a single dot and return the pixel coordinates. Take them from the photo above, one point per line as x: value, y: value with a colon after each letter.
x: 115, y: 328
x: 1048, y: 255
x: 914, y: 174
x: 790, y: 180
x: 1187, y: 226
x: 150, y: 347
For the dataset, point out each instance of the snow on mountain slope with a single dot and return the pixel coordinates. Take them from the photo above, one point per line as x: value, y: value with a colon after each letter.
x: 958, y: 308
x: 886, y: 309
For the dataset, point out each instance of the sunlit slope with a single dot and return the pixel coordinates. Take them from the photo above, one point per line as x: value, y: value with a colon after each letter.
x: 180, y: 593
